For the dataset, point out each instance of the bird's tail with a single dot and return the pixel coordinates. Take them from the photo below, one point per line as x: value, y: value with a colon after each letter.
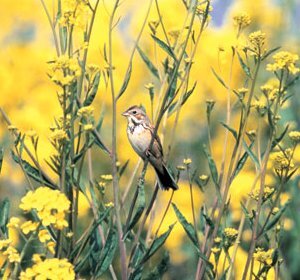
x: 165, y: 179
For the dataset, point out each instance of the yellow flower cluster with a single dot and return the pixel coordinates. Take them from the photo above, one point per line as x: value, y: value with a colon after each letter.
x: 283, y: 160
x: 284, y: 60
x: 75, y: 13
x: 58, y: 136
x: 230, y: 233
x: 86, y: 111
x: 264, y: 257
x: 257, y: 40
x: 59, y: 269
x: 202, y: 7
x: 242, y: 20
x: 107, y: 177
x: 267, y: 193
x: 187, y: 161
x: 270, y: 90
x: 295, y: 136
x: 64, y: 70
x: 51, y: 206
x: 9, y: 251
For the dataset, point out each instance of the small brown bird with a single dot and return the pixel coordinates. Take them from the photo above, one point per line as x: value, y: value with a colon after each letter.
x: 139, y: 132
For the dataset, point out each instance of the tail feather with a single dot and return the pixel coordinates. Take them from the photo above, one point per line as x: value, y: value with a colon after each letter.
x: 165, y: 179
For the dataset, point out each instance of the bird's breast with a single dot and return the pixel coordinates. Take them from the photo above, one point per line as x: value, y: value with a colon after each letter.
x: 139, y: 138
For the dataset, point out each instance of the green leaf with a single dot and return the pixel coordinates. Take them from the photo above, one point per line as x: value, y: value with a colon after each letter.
x: 241, y: 163
x: 159, y: 269
x: 123, y: 168
x: 268, y: 53
x: 126, y: 81
x: 212, y: 167
x: 93, y: 91
x: 231, y: 130
x: 4, y: 215
x: 244, y: 66
x: 280, y: 137
x: 251, y: 154
x: 188, y: 227
x: 141, y: 201
x: 108, y: 252
x: 156, y: 244
x: 165, y: 47
x: 1, y: 158
x: 219, y: 79
x: 31, y: 171
x: 148, y: 62
x: 275, y: 219
x: 173, y: 107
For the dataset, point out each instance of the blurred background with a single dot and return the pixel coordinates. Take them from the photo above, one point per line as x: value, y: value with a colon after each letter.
x: 29, y: 98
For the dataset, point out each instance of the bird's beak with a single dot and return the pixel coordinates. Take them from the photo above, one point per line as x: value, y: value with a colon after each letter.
x: 125, y: 114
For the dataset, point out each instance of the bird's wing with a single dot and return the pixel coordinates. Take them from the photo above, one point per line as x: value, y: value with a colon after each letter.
x: 156, y: 149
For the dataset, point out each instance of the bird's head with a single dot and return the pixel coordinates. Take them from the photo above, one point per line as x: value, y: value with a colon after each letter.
x: 136, y: 115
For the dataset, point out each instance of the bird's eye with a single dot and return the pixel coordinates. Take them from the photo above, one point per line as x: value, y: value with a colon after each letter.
x: 134, y: 112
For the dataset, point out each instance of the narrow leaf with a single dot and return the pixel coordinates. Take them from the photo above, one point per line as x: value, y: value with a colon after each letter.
x: 156, y: 244
x: 188, y: 227
x: 231, y: 130
x: 244, y: 66
x: 251, y: 154
x: 108, y: 252
x: 212, y: 166
x: 31, y: 171
x: 275, y: 219
x: 219, y: 78
x: 141, y: 201
x: 126, y: 81
x: 123, y: 168
x: 165, y: 47
x: 149, y: 64
x: 268, y: 53
x: 1, y: 158
x: 4, y: 214
x: 93, y: 91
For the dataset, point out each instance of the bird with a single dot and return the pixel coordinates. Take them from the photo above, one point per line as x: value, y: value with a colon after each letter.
x: 140, y: 132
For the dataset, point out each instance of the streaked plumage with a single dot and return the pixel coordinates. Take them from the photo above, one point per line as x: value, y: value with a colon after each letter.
x: 139, y: 132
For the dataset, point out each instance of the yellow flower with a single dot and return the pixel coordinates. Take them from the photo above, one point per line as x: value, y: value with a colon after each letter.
x: 36, y: 258
x: 44, y: 235
x: 264, y: 257
x: 109, y: 204
x: 187, y: 161
x: 51, y: 247
x: 149, y: 86
x: 267, y: 193
x: 282, y: 160
x: 215, y: 250
x: 86, y: 111
x: 295, y: 135
x: 14, y: 222
x: 180, y: 167
x: 284, y: 60
x: 230, y: 233
x: 51, y: 206
x: 29, y: 226
x: 101, y: 184
x: 64, y: 70
x: 12, y: 254
x: 88, y: 127
x: 242, y: 92
x: 58, y: 135
x: 242, y: 20
x: 218, y: 240
x: 107, y: 177
x: 257, y: 40
x: 59, y: 269
x: 4, y: 243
